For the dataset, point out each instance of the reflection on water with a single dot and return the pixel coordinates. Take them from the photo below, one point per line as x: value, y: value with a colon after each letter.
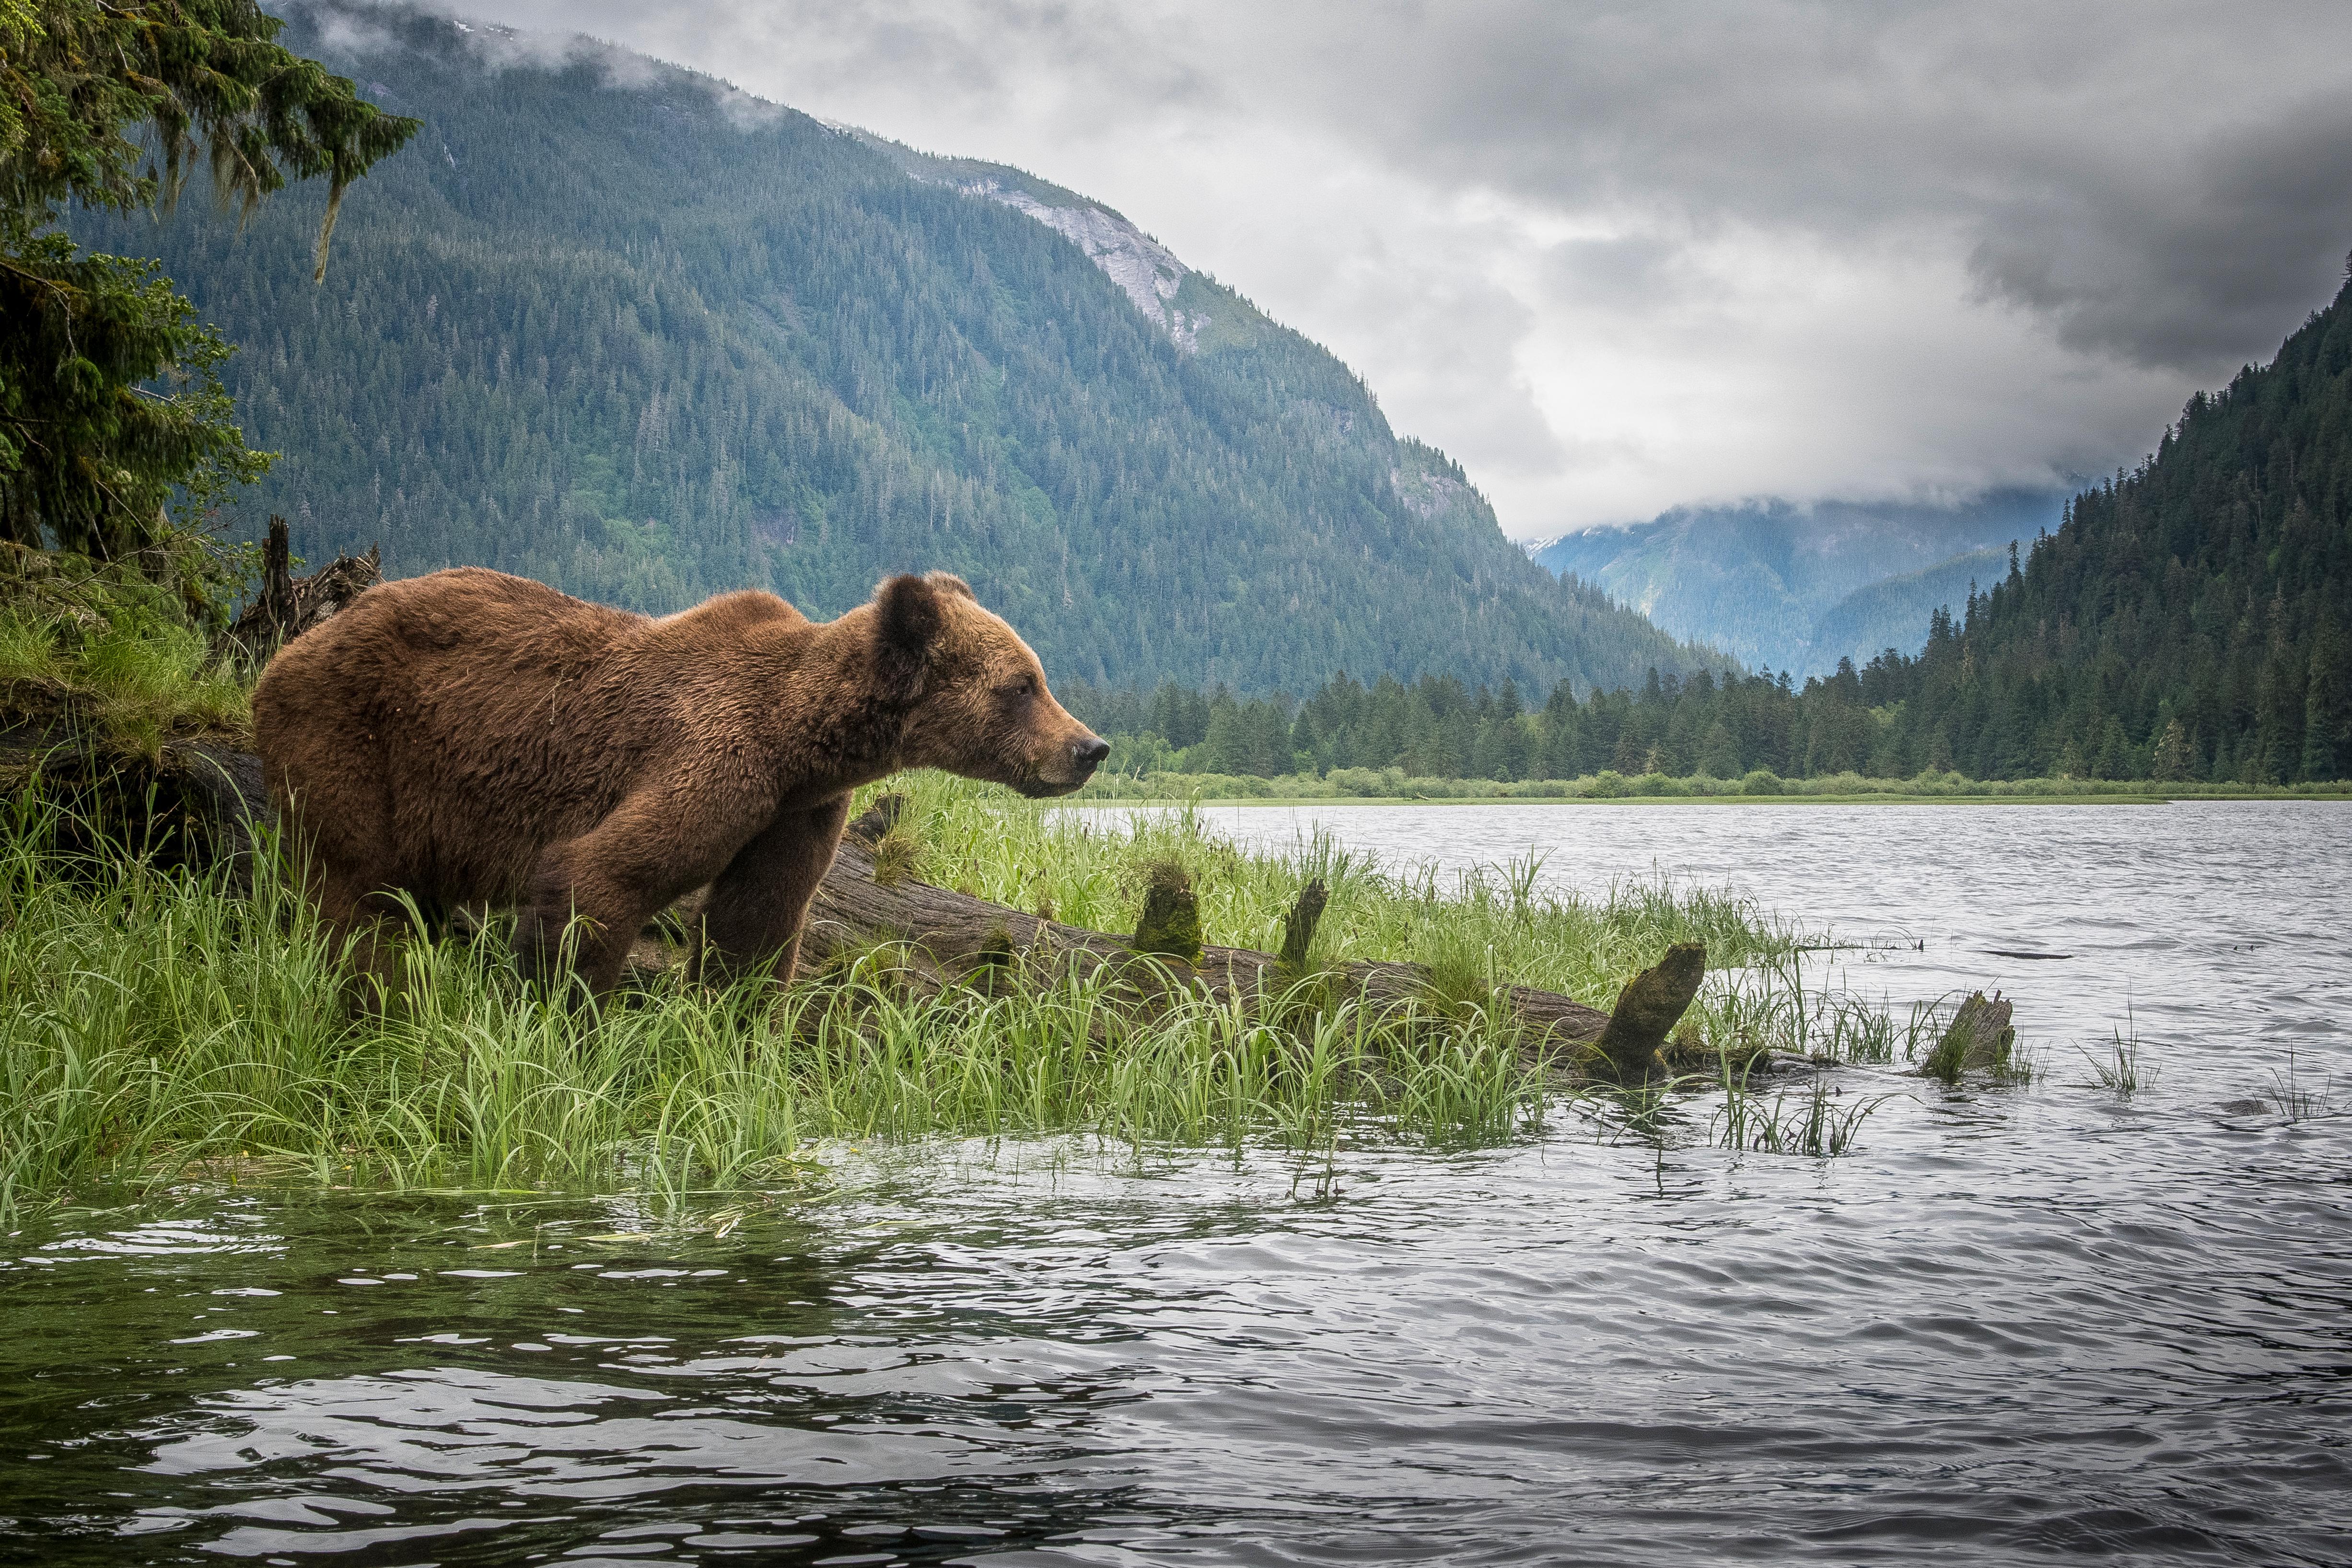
x: 2018, y: 1323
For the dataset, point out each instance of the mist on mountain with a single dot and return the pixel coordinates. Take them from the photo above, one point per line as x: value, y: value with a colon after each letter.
x: 1797, y: 587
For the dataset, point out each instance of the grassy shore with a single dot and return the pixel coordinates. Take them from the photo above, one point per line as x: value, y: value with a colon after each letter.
x: 124, y: 658
x: 1493, y: 922
x: 160, y: 1026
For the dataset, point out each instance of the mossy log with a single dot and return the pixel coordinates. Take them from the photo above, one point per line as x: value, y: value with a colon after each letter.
x: 947, y: 937
x: 1652, y: 1003
x: 197, y: 798
x: 1979, y: 1038
x: 195, y: 802
x: 1170, y: 925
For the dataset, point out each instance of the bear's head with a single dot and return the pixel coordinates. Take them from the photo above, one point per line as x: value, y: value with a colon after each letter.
x: 975, y: 695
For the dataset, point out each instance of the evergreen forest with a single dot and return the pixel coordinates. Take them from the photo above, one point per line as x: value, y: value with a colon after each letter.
x: 2187, y: 621
x: 611, y: 325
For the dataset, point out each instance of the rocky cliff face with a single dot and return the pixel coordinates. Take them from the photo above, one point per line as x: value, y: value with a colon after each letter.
x: 1145, y: 271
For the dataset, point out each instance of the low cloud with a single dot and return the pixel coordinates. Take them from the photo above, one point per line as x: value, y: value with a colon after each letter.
x: 349, y: 33
x: 354, y: 35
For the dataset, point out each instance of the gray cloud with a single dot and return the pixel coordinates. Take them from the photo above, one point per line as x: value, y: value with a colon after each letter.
x: 351, y: 36
x: 1618, y: 256
x: 2247, y: 233
x: 2169, y: 183
x: 1629, y: 272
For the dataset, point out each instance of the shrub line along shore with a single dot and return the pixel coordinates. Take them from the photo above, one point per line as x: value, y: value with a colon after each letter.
x: 1389, y: 787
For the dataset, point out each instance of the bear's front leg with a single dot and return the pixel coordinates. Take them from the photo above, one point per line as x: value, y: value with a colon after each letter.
x: 759, y: 904
x: 598, y: 889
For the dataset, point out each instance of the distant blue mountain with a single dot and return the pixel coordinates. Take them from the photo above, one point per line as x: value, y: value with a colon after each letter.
x: 1798, y: 588
x: 1894, y: 614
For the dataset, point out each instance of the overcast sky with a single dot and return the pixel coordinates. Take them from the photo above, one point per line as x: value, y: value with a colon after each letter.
x: 1618, y: 257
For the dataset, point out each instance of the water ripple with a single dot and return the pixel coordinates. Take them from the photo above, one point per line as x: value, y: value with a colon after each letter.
x: 2018, y: 1323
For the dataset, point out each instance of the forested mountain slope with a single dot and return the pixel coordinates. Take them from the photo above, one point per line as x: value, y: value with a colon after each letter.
x: 1894, y: 611
x: 2185, y: 622
x: 608, y: 324
x: 2190, y: 619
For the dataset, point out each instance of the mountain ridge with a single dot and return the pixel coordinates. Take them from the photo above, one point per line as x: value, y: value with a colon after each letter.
x: 1765, y: 579
x: 2188, y: 619
x: 610, y: 326
x: 1896, y: 611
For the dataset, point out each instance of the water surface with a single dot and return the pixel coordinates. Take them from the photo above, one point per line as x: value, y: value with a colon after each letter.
x: 2018, y: 1323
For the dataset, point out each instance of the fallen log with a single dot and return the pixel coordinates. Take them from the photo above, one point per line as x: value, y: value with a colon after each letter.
x: 950, y: 937
x: 194, y: 802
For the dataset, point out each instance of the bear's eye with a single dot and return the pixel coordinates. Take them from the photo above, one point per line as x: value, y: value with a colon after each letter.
x: 1021, y: 686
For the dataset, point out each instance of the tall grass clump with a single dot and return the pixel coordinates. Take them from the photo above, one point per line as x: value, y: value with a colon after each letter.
x: 1772, y: 1005
x: 2297, y: 1096
x: 1473, y: 929
x: 129, y: 651
x: 160, y: 1023
x: 1816, y: 1120
x: 2121, y: 1069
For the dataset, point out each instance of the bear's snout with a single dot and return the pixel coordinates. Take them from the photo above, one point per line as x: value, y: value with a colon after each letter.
x: 1084, y: 753
x: 1067, y: 766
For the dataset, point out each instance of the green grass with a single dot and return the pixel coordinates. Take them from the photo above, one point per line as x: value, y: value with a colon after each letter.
x: 1771, y: 1005
x: 2122, y: 1071
x: 156, y: 1025
x: 136, y: 687
x: 1818, y: 1119
x: 1472, y: 928
x: 2298, y: 1096
x: 119, y: 657
x: 160, y: 1026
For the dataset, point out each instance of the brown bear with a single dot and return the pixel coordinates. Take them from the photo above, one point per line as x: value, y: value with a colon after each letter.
x: 472, y: 738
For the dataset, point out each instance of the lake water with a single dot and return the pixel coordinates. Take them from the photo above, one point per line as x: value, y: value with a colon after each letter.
x: 2018, y: 1323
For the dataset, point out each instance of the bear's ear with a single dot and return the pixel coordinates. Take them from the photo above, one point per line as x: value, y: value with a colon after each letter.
x: 949, y: 582
x: 907, y: 619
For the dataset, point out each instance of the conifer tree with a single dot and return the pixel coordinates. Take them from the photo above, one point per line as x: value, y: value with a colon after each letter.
x: 2327, y: 705
x: 110, y: 403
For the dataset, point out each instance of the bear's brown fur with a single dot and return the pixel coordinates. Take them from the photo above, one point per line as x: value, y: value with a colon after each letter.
x: 472, y: 738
